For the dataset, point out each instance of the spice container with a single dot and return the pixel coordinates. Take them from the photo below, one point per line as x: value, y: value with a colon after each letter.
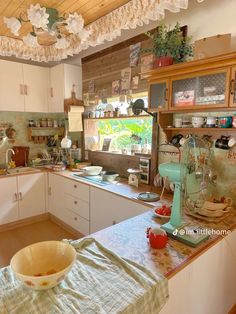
x: 43, y: 123
x: 49, y: 123
x: 55, y: 123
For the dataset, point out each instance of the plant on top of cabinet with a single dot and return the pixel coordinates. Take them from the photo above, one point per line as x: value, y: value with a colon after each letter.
x: 169, y: 45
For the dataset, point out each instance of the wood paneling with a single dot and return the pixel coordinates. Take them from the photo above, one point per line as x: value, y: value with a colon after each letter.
x: 91, y: 10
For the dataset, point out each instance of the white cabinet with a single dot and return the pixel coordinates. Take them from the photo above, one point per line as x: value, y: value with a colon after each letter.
x: 11, y: 86
x: 107, y: 209
x: 9, y: 203
x: 23, y: 87
x: 22, y: 197
x: 62, y: 79
x: 31, y: 191
x: 36, y: 88
x: 69, y: 201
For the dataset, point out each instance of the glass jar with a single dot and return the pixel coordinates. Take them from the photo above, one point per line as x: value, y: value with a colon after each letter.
x: 43, y: 123
x: 55, y: 123
x: 49, y: 123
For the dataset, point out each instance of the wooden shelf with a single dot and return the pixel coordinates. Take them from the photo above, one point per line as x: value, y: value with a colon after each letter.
x: 120, y: 117
x: 45, y: 128
x: 200, y: 129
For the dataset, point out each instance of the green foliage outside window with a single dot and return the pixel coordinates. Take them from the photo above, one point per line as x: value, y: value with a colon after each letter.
x: 121, y: 131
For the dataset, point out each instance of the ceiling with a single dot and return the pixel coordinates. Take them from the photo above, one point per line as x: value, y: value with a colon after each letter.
x: 91, y: 10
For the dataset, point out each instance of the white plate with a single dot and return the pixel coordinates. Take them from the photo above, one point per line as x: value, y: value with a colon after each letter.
x: 158, y: 215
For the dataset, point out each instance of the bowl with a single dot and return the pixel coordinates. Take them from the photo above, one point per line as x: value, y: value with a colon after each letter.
x: 110, y: 176
x: 92, y: 170
x: 43, y: 265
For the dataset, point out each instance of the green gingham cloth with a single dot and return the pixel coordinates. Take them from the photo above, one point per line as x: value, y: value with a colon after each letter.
x: 100, y: 282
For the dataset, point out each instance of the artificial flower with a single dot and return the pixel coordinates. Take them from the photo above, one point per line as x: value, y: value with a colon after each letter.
x: 14, y: 24
x: 75, y: 23
x: 62, y: 43
x: 38, y: 16
x: 31, y: 40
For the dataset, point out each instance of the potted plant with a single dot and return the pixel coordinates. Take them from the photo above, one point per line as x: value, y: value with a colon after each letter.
x: 169, y: 45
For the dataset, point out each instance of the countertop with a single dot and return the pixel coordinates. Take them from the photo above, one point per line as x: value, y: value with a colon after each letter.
x: 128, y: 239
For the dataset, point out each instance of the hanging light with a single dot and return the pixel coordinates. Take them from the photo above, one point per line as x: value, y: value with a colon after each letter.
x: 47, y: 21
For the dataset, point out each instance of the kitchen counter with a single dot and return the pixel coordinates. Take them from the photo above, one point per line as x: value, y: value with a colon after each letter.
x: 128, y: 239
x: 122, y: 188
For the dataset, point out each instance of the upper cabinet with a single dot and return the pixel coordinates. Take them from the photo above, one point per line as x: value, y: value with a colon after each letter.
x: 12, y: 96
x: 36, y: 88
x: 23, y: 87
x: 200, y: 90
x: 63, y: 78
x: 158, y: 95
x: 196, y: 85
x: 233, y: 88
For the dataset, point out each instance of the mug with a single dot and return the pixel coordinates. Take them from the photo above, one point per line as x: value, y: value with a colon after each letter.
x: 225, y: 122
x: 232, y: 142
x: 157, y: 237
x: 222, y: 142
x: 234, y: 121
x: 198, y: 122
x: 176, y: 140
x: 211, y: 122
x: 178, y: 122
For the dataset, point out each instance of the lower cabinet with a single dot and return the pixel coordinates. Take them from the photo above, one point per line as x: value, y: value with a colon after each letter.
x: 22, y: 197
x: 9, y: 200
x: 31, y: 195
x: 69, y: 201
x: 107, y: 209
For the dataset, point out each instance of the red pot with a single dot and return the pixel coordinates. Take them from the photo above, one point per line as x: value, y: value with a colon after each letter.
x: 157, y: 238
x: 162, y: 62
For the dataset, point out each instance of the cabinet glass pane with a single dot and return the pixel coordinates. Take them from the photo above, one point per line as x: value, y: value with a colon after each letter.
x: 201, y: 90
x: 234, y: 99
x: 158, y: 95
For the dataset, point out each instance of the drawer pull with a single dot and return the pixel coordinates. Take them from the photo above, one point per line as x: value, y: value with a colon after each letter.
x: 75, y: 218
x: 75, y: 186
x: 75, y: 202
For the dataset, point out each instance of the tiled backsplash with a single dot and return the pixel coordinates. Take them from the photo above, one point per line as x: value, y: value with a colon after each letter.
x: 19, y: 121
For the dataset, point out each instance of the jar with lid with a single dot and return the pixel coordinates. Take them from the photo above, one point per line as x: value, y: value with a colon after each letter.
x: 49, y: 123
x: 43, y: 123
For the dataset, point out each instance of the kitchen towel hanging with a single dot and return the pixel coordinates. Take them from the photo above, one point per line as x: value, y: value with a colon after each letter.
x: 75, y: 118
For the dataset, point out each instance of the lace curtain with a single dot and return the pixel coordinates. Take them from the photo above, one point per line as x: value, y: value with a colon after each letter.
x: 131, y: 15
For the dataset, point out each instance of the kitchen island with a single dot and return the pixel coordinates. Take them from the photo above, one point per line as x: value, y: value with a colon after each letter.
x: 186, y: 268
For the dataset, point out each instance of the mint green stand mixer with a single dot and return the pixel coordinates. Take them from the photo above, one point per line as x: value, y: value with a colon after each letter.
x: 176, y: 227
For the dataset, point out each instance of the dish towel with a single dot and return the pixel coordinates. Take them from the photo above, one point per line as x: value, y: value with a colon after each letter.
x: 75, y: 119
x: 100, y: 282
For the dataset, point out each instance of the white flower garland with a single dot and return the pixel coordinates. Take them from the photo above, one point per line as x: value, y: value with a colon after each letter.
x: 131, y: 15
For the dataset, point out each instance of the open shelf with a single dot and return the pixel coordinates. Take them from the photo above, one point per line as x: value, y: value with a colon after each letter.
x: 121, y: 117
x: 200, y: 129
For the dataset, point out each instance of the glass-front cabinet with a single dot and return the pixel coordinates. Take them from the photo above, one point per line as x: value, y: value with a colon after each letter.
x: 200, y: 90
x: 158, y: 95
x: 232, y: 102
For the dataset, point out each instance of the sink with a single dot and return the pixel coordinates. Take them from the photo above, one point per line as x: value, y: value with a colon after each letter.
x: 21, y: 170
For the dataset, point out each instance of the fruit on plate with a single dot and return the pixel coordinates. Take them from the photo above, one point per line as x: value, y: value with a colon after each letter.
x: 164, y: 210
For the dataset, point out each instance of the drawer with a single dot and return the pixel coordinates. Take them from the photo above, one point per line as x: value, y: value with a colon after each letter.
x: 75, y: 221
x: 77, y: 189
x: 77, y: 205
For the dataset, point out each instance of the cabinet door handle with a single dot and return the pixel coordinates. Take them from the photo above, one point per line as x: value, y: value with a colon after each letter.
x: 20, y: 196
x: 75, y: 202
x: 51, y: 92
x: 113, y: 222
x: 16, y: 197
x: 75, y: 186
x: 75, y: 218
x: 49, y: 191
x: 166, y: 94
x: 21, y: 89
x: 25, y: 89
x: 232, y: 87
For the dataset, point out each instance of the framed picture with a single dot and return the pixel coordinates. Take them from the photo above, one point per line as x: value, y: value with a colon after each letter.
x: 106, y: 144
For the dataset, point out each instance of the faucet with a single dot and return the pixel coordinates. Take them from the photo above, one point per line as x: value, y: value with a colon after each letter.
x: 7, y: 155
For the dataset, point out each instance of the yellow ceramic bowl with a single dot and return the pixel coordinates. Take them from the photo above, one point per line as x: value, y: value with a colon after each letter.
x: 43, y: 265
